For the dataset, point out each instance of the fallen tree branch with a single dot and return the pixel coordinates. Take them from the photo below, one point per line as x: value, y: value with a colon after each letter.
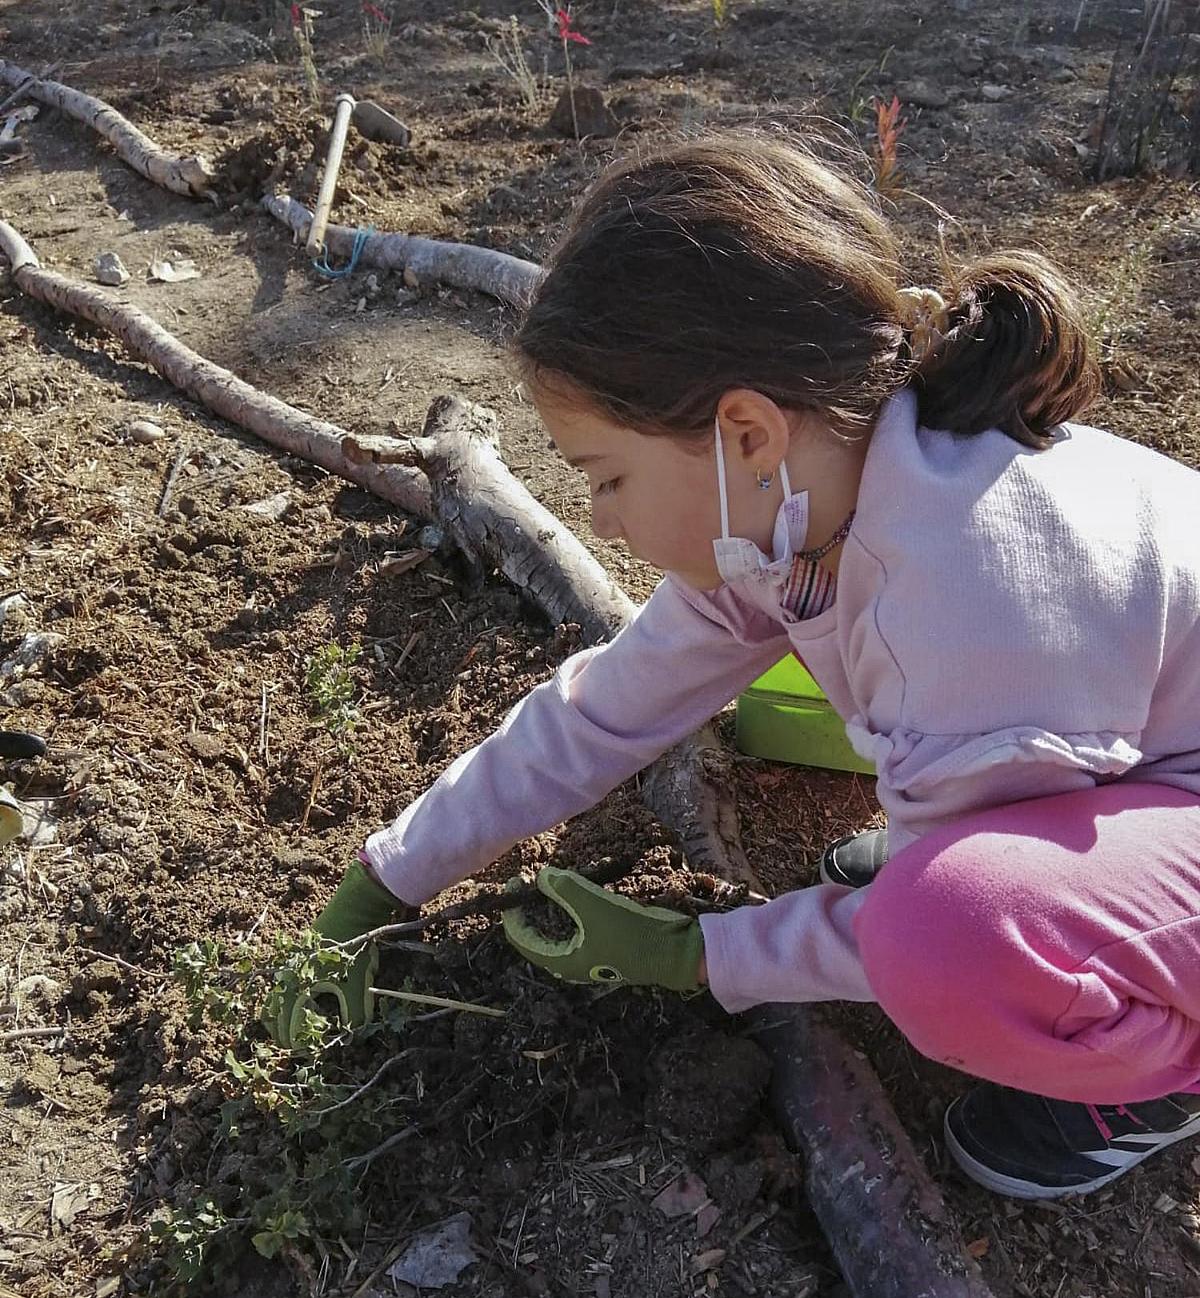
x: 879, y: 1208
x: 191, y: 176
x: 491, y: 516
x: 461, y: 265
x: 212, y: 386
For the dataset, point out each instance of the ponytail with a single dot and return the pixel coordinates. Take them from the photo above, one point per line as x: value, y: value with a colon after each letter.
x: 1016, y: 354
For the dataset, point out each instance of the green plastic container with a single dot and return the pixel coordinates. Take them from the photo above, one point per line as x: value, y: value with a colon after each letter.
x: 785, y: 717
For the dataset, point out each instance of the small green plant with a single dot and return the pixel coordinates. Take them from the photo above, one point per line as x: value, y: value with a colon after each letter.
x: 508, y: 51
x: 187, y: 1240
x: 720, y: 14
x: 377, y: 30
x: 859, y: 111
x: 284, y: 1228
x: 330, y: 688
x: 302, y: 30
x: 889, y: 126
x: 301, y: 1125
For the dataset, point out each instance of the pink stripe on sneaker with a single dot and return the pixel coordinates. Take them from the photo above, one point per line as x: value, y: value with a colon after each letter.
x: 1103, y: 1127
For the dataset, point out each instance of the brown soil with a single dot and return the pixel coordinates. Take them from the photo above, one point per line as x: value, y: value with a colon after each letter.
x: 183, y: 757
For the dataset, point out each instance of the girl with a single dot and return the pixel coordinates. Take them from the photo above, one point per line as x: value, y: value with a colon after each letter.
x: 1003, y: 606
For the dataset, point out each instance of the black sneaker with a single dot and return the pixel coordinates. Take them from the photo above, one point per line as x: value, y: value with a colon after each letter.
x: 1029, y: 1147
x: 855, y: 861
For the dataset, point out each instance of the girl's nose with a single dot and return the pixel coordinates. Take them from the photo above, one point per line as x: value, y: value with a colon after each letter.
x: 604, y: 520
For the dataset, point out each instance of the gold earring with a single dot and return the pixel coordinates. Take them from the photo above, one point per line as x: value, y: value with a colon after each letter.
x: 764, y: 480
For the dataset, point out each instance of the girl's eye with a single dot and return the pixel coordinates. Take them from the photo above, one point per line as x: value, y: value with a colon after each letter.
x: 606, y: 487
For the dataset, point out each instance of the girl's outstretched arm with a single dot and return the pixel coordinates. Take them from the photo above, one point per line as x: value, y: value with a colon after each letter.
x: 606, y: 713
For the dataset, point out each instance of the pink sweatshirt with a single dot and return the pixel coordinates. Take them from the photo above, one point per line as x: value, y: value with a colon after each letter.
x: 1009, y: 624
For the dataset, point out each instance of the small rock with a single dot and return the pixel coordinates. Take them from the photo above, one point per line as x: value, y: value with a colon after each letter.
x: 207, y: 747
x: 923, y: 94
x: 431, y: 537
x: 144, y: 432
x: 33, y: 650
x: 411, y: 279
x: 273, y: 507
x: 994, y: 94
x: 111, y: 270
x: 15, y: 613
x: 591, y: 113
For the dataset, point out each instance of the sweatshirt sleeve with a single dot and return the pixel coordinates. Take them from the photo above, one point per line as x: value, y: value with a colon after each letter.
x: 800, y: 947
x: 605, y: 714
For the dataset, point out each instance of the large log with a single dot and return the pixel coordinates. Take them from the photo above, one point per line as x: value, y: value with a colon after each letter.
x: 182, y: 175
x: 461, y: 265
x: 879, y: 1208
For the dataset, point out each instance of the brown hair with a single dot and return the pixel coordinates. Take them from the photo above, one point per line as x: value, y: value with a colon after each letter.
x: 737, y: 260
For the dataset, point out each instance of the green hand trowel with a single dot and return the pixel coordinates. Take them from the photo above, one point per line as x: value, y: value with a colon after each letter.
x: 785, y: 717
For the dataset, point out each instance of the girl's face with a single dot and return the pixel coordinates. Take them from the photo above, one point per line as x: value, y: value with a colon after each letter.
x: 657, y: 494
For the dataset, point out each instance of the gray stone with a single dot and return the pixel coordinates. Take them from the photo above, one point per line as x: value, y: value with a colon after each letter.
x: 110, y: 270
x: 144, y: 432
x: 993, y: 94
x: 922, y: 94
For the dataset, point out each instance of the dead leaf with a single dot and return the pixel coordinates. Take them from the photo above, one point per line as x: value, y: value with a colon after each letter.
x: 411, y: 279
x: 978, y: 1248
x: 69, y: 1199
x: 707, y: 1216
x: 686, y: 1193
x: 708, y: 1261
x: 395, y: 562
x: 174, y: 272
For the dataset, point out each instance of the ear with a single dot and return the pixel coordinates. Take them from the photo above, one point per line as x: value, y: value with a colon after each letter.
x: 756, y: 432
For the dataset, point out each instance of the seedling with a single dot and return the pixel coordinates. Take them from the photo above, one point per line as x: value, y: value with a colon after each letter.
x: 562, y: 21
x: 330, y: 688
x: 889, y: 126
x: 860, y: 104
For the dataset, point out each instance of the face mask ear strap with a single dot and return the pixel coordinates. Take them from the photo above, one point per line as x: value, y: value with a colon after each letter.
x: 721, y: 488
x: 783, y: 477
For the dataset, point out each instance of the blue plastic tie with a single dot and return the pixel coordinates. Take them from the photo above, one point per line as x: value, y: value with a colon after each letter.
x: 322, y: 267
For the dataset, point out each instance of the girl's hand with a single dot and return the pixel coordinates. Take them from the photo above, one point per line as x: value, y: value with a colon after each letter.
x: 615, y: 939
x: 360, y: 904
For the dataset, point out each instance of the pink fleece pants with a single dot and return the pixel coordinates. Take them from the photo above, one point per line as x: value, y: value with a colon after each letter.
x: 1050, y: 945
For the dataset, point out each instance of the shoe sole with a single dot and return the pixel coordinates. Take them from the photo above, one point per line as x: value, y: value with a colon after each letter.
x: 823, y: 875
x: 1015, y: 1188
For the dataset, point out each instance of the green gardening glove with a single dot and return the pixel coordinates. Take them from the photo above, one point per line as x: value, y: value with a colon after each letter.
x: 616, y: 940
x: 352, y: 993
x: 358, y: 906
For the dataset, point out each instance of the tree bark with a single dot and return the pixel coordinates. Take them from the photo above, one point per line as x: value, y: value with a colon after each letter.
x: 879, y: 1208
x: 462, y: 265
x: 191, y: 176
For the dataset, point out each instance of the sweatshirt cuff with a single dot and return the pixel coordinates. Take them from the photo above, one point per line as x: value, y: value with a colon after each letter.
x: 796, y: 949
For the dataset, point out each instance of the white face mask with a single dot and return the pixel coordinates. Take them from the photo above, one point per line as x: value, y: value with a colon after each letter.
x: 787, y: 586
x: 739, y: 559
